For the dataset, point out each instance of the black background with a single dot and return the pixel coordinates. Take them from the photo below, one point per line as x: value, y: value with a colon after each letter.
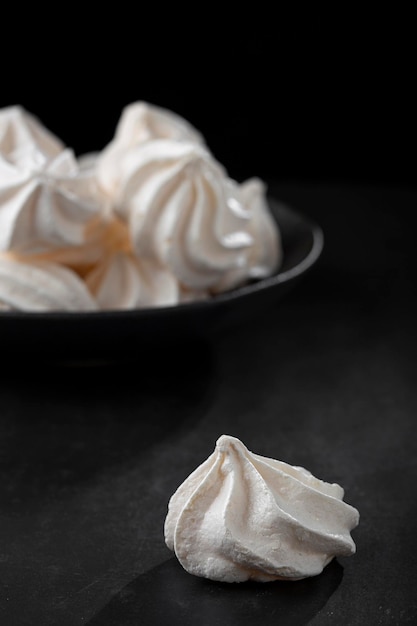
x: 284, y: 96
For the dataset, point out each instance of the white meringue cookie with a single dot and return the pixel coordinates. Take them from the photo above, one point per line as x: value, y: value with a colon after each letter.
x: 182, y: 208
x: 41, y: 286
x: 241, y: 516
x: 176, y: 200
x: 153, y: 220
x: 121, y: 281
x: 21, y: 133
x: 45, y: 202
x: 139, y: 123
x: 104, y: 236
x: 264, y: 257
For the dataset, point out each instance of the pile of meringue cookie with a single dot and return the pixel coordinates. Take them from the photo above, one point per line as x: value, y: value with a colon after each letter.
x: 152, y: 220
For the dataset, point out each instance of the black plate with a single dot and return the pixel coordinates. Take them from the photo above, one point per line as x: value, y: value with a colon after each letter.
x: 114, y: 334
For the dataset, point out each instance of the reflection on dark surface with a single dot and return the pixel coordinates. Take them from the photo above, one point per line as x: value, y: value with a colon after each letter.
x: 169, y: 595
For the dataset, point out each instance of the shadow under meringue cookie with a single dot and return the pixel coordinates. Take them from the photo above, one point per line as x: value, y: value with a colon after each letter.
x: 169, y: 595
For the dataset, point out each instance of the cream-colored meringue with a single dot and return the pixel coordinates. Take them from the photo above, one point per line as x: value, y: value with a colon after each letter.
x: 22, y: 133
x: 181, y: 207
x: 45, y: 202
x: 122, y: 281
x: 139, y: 123
x: 176, y: 200
x: 41, y: 286
x: 264, y: 256
x: 241, y: 516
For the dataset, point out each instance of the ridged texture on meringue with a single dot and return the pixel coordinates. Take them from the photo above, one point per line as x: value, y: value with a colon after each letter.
x: 265, y: 254
x: 139, y: 123
x: 21, y: 132
x: 41, y: 286
x: 45, y: 201
x: 122, y: 281
x: 142, y: 122
x: 182, y: 208
x: 152, y: 220
x: 180, y: 212
x: 241, y: 516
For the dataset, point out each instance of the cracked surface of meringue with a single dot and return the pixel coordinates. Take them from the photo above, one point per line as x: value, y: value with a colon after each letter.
x: 241, y: 516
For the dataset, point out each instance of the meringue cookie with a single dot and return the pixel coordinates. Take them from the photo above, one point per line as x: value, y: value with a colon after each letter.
x: 104, y: 236
x: 241, y: 516
x: 181, y: 207
x: 176, y: 200
x: 122, y: 281
x: 45, y: 202
x: 139, y: 123
x: 264, y: 257
x: 41, y: 286
x: 21, y: 132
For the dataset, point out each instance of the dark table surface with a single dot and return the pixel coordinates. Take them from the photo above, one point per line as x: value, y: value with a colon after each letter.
x: 324, y: 378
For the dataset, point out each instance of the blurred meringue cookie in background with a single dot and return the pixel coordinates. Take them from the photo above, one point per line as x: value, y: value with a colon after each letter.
x: 264, y: 256
x: 139, y: 123
x: 151, y: 220
x: 241, y: 516
x: 21, y: 132
x: 41, y: 286
x: 44, y: 200
x: 185, y: 211
x: 122, y: 281
x: 180, y: 212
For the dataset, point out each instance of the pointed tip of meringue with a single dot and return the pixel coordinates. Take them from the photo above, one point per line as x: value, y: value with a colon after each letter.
x: 225, y: 442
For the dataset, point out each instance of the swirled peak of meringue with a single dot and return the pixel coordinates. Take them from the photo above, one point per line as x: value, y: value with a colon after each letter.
x: 21, y: 132
x: 180, y: 210
x: 139, y: 123
x: 241, y: 516
x: 41, y: 286
x: 45, y: 201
